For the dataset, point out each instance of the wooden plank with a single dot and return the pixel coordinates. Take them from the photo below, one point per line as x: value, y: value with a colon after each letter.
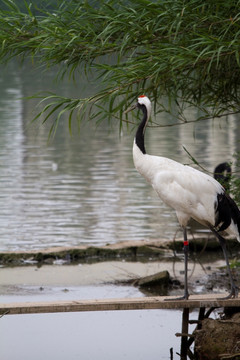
x: 158, y: 302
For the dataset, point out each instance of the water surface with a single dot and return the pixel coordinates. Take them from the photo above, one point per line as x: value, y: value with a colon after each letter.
x: 130, y: 335
x: 84, y: 189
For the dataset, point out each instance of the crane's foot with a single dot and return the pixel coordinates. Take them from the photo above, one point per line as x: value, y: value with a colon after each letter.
x: 232, y: 295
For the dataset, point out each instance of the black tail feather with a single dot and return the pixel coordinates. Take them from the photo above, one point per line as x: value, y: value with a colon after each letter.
x: 226, y: 212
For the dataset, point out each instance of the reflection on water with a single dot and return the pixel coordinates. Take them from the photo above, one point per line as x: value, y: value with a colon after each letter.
x: 84, y: 189
x: 130, y: 335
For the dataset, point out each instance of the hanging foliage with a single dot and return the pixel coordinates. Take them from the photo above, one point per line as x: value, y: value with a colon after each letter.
x: 180, y: 53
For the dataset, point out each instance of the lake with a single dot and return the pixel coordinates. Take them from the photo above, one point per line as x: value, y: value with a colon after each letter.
x: 84, y: 189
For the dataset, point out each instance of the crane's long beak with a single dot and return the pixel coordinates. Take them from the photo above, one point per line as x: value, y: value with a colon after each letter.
x: 130, y: 108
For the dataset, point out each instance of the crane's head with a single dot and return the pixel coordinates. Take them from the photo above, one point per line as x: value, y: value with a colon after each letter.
x: 142, y: 102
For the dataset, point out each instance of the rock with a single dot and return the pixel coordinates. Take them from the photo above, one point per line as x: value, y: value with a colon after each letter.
x: 218, y: 339
x: 160, y: 279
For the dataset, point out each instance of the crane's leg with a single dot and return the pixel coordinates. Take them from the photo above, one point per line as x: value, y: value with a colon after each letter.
x: 234, y: 289
x: 185, y: 251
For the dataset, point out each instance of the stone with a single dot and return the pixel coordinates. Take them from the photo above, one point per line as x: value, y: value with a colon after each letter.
x: 160, y: 279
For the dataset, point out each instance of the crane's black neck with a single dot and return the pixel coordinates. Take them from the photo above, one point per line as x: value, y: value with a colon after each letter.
x: 139, y: 138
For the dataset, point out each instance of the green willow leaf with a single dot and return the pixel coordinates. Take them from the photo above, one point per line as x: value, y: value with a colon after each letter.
x: 183, y: 51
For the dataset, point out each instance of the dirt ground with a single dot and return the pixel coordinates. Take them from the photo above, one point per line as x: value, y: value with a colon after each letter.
x: 201, y: 278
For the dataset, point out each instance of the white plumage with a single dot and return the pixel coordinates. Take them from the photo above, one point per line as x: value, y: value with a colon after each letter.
x: 192, y: 193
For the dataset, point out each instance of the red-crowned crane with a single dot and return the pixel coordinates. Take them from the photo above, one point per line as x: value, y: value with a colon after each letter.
x: 192, y: 193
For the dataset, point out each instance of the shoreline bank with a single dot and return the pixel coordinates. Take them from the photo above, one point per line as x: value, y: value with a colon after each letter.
x: 129, y: 250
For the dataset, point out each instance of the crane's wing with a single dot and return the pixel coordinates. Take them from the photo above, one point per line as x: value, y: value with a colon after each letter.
x: 187, y: 190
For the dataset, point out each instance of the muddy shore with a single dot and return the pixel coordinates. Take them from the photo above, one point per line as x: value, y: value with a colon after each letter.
x: 117, y: 263
x: 129, y: 250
